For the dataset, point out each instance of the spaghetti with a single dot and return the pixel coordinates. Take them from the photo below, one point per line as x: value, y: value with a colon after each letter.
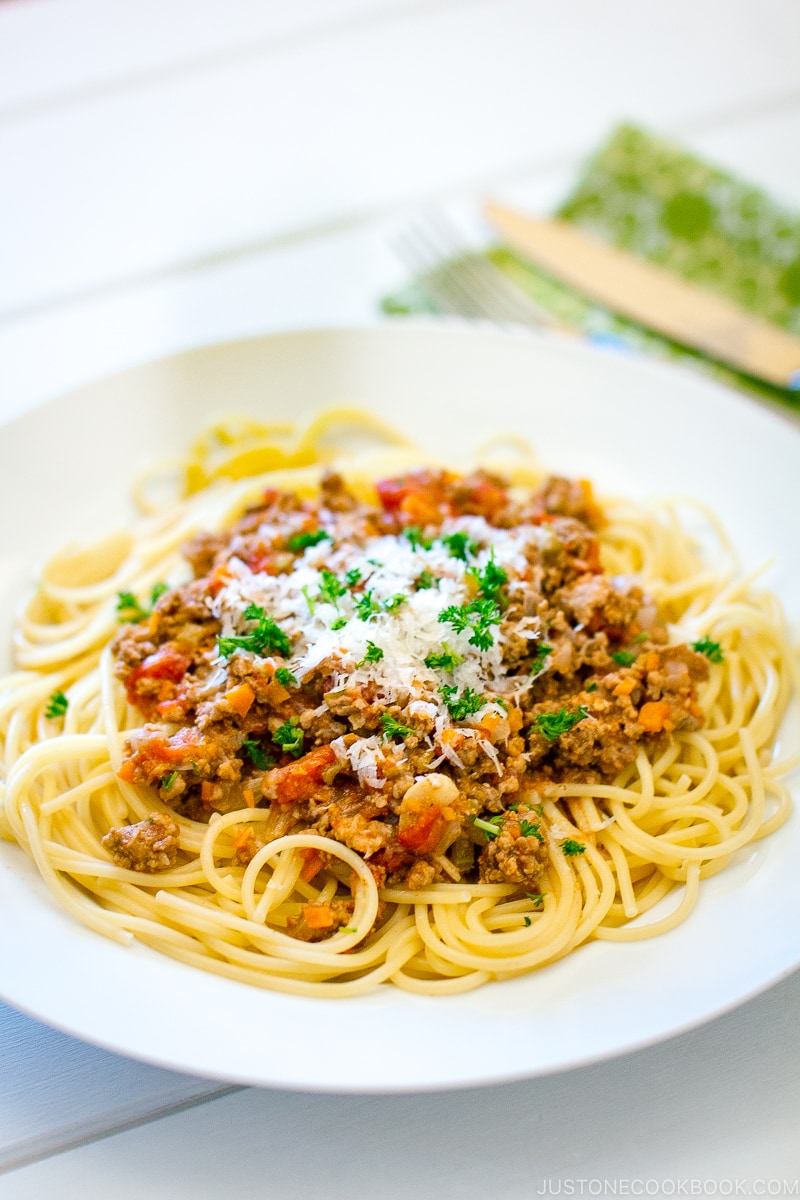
x: 396, y: 725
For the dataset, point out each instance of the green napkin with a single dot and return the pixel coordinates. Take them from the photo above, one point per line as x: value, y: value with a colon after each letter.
x: 657, y: 201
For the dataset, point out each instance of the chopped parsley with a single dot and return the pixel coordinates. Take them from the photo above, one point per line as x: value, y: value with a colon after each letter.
x: 394, y: 601
x: 463, y: 706
x: 712, y: 650
x: 536, y: 898
x: 426, y: 580
x: 309, y: 600
x: 571, y: 847
x: 299, y: 541
x: 448, y: 660
x: 168, y: 780
x: 264, y: 639
x: 374, y: 654
x: 551, y: 725
x: 285, y: 677
x: 56, y: 706
x: 477, y: 617
x: 393, y: 728
x: 352, y: 577
x: 490, y: 825
x: 591, y: 687
x: 331, y: 588
x: 339, y: 623
x: 640, y: 637
x: 490, y: 580
x: 366, y: 607
x: 527, y: 829
x: 131, y: 612
x: 624, y: 658
x: 541, y: 656
x: 527, y: 920
x: 415, y: 538
x: 459, y: 545
x: 256, y: 755
x: 289, y: 737
x: 348, y: 929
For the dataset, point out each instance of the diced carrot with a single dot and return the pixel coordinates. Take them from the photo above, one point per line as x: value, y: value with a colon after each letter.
x: 652, y: 660
x: 240, y: 698
x: 318, y: 916
x: 655, y: 716
x: 275, y: 693
x: 452, y: 737
x: 249, y: 798
x: 206, y: 791
x: 695, y: 710
x: 298, y: 780
x: 243, y: 838
x: 313, y: 864
x: 624, y: 687
x: 126, y: 771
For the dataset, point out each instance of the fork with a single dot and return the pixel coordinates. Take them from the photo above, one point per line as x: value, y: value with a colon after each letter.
x: 461, y: 281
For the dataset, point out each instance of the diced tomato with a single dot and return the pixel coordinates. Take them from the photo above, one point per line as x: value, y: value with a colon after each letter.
x: 261, y: 560
x: 167, y: 666
x: 313, y: 864
x: 422, y: 831
x: 298, y: 780
x: 156, y: 755
x: 485, y: 499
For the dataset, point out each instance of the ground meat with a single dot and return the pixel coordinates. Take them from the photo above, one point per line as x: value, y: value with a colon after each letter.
x: 150, y: 845
x: 513, y: 856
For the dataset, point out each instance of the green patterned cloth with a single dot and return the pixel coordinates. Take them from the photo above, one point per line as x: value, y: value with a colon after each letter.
x: 659, y: 202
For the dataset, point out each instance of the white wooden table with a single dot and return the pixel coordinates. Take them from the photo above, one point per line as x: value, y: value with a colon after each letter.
x: 173, y: 173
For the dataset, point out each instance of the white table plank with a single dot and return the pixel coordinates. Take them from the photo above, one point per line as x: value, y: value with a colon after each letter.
x: 718, y: 1104
x: 68, y: 51
x: 56, y: 1092
x: 201, y: 165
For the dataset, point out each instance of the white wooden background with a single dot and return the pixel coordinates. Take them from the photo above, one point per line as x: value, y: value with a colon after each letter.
x: 176, y: 172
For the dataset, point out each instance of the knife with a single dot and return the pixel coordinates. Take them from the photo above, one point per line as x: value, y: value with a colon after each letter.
x: 653, y: 296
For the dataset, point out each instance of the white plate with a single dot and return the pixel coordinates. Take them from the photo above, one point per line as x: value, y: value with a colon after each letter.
x: 634, y: 427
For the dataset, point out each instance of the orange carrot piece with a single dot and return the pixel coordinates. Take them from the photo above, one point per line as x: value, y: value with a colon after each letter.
x: 240, y: 698
x: 318, y: 916
x: 654, y: 716
x: 312, y: 866
x: 624, y: 687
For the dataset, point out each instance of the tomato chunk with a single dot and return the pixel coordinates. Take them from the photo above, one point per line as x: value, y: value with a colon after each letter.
x: 298, y: 780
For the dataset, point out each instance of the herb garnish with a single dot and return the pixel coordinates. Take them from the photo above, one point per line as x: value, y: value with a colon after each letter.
x: 640, y: 637
x: 459, y: 545
x: 478, y: 617
x: 571, y: 847
x: 266, y: 637
x: 290, y: 737
x: 352, y: 577
x: 624, y: 658
x: 712, y: 650
x: 394, y: 601
x: 366, y: 607
x: 426, y: 580
x: 591, y: 687
x: 339, y: 623
x: 552, y: 724
x: 256, y: 754
x: 463, y: 706
x: 491, y: 579
x: 331, y: 588
x: 490, y: 826
x: 374, y: 654
x: 448, y: 660
x: 527, y: 829
x: 131, y: 612
x: 56, y: 706
x: 393, y: 728
x: 415, y: 538
x: 542, y: 652
x: 299, y: 541
x: 285, y: 677
x: 168, y: 780
x: 536, y: 898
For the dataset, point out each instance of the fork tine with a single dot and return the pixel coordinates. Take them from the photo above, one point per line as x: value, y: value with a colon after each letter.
x: 461, y: 281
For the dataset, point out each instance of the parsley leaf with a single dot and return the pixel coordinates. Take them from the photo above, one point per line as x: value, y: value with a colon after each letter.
x: 352, y: 577
x: 552, y: 724
x: 158, y: 590
x: 393, y: 728
x: 256, y: 754
x: 309, y: 600
x: 478, y: 617
x: 168, y: 780
x: 56, y: 706
x: 490, y: 580
x: 394, y: 601
x: 290, y: 737
x: 448, y: 660
x: 339, y: 623
x: 527, y: 829
x: 624, y: 658
x: 426, y: 580
x: 591, y: 687
x: 571, y: 847
x: 640, y: 637
x: 131, y: 612
x: 463, y: 706
x: 414, y: 535
x: 374, y: 654
x: 527, y: 920
x: 330, y: 588
x: 299, y: 541
x: 266, y: 637
x: 285, y: 677
x: 712, y: 650
x: 366, y: 607
x: 459, y: 545
x: 542, y: 652
x: 490, y: 826
x: 536, y: 898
